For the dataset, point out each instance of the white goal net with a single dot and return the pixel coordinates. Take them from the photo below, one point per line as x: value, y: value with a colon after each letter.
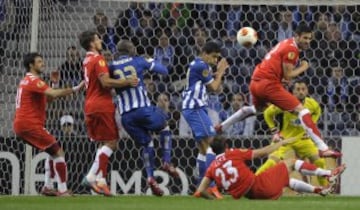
x: 172, y: 33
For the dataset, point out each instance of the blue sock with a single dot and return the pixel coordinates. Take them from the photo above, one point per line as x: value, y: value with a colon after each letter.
x: 201, y: 166
x: 166, y: 144
x: 210, y: 156
x: 148, y: 157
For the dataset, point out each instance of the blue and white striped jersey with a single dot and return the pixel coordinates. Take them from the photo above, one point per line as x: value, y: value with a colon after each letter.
x: 199, y: 75
x: 129, y: 98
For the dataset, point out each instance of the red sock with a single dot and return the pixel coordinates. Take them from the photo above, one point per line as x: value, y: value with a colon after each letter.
x: 310, y: 124
x: 61, y: 170
x: 308, y: 166
x: 52, y: 172
x: 103, y: 163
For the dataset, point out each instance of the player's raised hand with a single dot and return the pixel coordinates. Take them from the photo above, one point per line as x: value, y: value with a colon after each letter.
x: 133, y: 81
x: 222, y: 66
x: 79, y: 86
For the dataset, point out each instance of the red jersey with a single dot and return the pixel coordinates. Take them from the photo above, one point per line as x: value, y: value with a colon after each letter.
x: 270, y: 67
x: 31, y: 101
x: 230, y: 172
x: 98, y: 98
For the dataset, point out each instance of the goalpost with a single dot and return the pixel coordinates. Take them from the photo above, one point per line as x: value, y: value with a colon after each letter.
x: 51, y: 28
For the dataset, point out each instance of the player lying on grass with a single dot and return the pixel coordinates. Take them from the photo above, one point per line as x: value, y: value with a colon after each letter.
x: 231, y: 173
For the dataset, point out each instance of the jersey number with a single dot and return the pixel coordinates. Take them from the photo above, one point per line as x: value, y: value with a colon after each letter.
x: 227, y: 168
x: 121, y: 73
x: 18, y: 98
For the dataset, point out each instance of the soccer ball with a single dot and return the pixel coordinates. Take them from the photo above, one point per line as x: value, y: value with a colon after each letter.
x: 247, y: 36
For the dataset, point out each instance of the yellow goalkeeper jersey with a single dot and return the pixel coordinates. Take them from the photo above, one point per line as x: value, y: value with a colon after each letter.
x: 291, y: 125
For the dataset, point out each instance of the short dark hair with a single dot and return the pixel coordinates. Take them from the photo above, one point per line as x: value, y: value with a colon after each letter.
x: 303, y: 28
x: 218, y: 145
x: 125, y: 47
x: 297, y: 81
x: 29, y: 58
x: 211, y: 47
x: 86, y: 37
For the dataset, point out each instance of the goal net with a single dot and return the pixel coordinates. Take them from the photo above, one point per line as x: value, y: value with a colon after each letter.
x: 172, y: 33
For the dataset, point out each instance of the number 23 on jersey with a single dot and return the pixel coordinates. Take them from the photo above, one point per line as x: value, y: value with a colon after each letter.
x: 227, y: 173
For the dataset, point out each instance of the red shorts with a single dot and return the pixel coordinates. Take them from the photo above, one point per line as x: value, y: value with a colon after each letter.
x: 270, y: 183
x: 268, y: 91
x: 101, y: 126
x: 37, y: 137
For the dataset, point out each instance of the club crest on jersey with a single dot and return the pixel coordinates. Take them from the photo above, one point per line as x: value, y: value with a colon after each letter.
x: 205, y: 73
x: 291, y: 55
x: 40, y: 84
x: 102, y: 63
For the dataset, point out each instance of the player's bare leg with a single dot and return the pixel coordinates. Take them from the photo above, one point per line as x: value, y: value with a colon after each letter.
x: 314, y: 133
x: 243, y: 113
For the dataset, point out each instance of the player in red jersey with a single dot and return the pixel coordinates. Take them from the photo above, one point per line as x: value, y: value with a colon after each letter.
x: 100, y: 109
x: 266, y: 86
x: 32, y: 95
x: 231, y: 173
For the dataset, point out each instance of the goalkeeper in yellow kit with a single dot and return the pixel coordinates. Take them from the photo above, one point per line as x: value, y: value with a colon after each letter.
x: 290, y: 127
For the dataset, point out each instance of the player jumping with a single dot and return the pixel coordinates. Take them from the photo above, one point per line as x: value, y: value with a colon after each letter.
x: 266, y: 86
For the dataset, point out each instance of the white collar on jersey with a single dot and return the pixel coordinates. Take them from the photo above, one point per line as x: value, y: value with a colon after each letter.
x: 91, y: 53
x: 31, y: 74
x: 293, y: 40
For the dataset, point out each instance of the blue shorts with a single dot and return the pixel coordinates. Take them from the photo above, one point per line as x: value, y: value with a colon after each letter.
x: 199, y: 122
x: 139, y: 123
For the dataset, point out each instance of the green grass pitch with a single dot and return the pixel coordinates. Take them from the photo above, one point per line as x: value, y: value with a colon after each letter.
x: 175, y: 203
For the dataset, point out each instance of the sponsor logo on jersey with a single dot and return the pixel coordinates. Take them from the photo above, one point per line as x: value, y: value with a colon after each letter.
x: 102, y: 63
x: 40, y: 84
x: 205, y: 73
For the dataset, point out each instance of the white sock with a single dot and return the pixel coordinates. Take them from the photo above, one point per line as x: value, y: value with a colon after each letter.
x: 91, y: 176
x: 316, y: 139
x: 241, y: 114
x: 300, y: 186
x: 62, y: 187
x: 93, y: 172
x: 48, y: 182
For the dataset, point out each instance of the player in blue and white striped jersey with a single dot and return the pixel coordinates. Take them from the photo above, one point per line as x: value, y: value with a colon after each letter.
x: 138, y: 116
x: 200, y: 79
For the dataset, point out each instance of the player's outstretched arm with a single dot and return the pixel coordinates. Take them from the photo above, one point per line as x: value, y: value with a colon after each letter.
x: 290, y: 71
x: 55, y: 93
x: 271, y: 148
x: 202, y: 189
x: 108, y: 82
x: 158, y: 68
x: 269, y: 115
